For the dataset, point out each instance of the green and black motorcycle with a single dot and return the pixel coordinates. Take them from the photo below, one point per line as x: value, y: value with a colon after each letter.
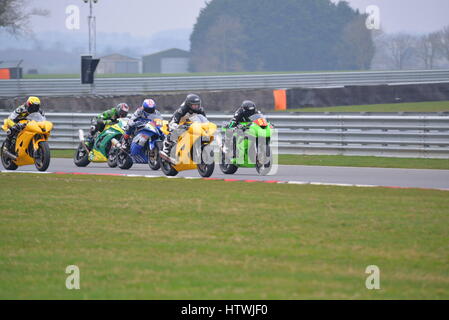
x: 250, y: 146
x: 103, y: 149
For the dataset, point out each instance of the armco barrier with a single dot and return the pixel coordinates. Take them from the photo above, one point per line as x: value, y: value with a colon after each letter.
x: 107, y: 86
x: 422, y: 136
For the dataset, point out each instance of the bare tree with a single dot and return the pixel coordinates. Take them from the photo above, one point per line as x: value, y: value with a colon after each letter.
x: 427, y: 49
x: 400, y: 49
x: 444, y: 42
x: 14, y: 16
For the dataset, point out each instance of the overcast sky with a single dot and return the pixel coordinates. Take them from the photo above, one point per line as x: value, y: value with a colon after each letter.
x: 145, y: 17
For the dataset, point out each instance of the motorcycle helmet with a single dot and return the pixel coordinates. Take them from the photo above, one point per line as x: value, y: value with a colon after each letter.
x: 149, y: 105
x: 33, y: 104
x: 248, y: 106
x: 193, y: 101
x: 122, y: 110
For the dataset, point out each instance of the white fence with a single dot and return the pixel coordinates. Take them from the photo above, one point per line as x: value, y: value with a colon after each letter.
x: 107, y: 86
x: 422, y: 136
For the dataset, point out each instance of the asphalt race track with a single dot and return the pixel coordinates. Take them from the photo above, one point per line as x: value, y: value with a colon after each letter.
x: 408, y: 178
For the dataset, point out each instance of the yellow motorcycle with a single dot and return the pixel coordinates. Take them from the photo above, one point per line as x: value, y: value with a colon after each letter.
x: 30, y: 145
x: 193, y: 149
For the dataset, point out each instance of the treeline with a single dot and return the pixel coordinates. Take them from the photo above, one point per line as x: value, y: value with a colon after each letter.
x: 408, y: 51
x: 281, y: 35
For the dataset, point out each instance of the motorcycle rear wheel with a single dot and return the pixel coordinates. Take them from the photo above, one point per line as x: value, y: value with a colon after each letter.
x: 7, y: 162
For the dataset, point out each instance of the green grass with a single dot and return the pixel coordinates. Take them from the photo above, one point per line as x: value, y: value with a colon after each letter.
x: 343, y: 161
x: 430, y: 106
x: 137, y: 238
x: 364, y: 161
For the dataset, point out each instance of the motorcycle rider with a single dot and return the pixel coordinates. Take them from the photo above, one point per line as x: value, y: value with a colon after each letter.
x: 109, y: 116
x: 190, y: 107
x: 32, y: 105
x: 242, y: 114
x: 146, y: 111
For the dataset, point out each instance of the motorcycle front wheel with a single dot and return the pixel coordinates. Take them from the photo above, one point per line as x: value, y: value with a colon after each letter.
x: 81, y: 156
x: 206, y: 168
x: 167, y: 168
x: 227, y: 168
x: 42, y: 158
x: 154, y: 159
x: 124, y: 161
x: 112, y: 157
x: 264, y: 167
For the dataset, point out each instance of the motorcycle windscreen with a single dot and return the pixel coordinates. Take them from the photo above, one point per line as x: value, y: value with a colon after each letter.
x: 259, y: 119
x: 36, y: 116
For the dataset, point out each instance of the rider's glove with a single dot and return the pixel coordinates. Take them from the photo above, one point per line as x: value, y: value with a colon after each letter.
x: 231, y: 124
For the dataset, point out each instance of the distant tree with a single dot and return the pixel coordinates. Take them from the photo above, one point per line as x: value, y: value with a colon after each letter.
x: 444, y: 42
x: 277, y: 35
x: 222, y: 50
x: 427, y: 49
x: 400, y: 48
x: 15, y: 18
x: 355, y: 50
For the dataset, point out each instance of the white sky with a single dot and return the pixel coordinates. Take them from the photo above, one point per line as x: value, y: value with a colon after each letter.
x: 145, y: 17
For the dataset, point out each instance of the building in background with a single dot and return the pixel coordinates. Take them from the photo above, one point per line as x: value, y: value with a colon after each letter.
x: 167, y: 61
x: 117, y: 63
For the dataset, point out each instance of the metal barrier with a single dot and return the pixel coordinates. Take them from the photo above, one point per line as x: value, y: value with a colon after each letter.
x: 108, y: 86
x: 423, y: 136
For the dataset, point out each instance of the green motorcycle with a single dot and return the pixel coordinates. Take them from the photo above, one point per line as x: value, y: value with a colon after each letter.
x: 103, y: 149
x: 249, y: 147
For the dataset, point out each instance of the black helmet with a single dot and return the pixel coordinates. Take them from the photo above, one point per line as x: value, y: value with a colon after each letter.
x: 193, y: 101
x: 248, y: 105
x: 122, y: 110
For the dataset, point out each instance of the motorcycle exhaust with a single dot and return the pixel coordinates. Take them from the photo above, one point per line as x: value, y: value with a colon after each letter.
x: 81, y: 135
x: 9, y: 155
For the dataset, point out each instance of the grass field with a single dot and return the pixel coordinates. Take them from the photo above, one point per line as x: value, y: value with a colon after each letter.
x: 194, y: 239
x: 344, y: 161
x: 364, y: 161
x: 431, y: 106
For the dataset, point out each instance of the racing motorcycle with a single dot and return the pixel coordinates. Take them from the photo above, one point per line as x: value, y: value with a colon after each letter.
x: 193, y: 149
x: 145, y: 145
x: 30, y: 145
x: 250, y: 146
x: 102, y: 149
